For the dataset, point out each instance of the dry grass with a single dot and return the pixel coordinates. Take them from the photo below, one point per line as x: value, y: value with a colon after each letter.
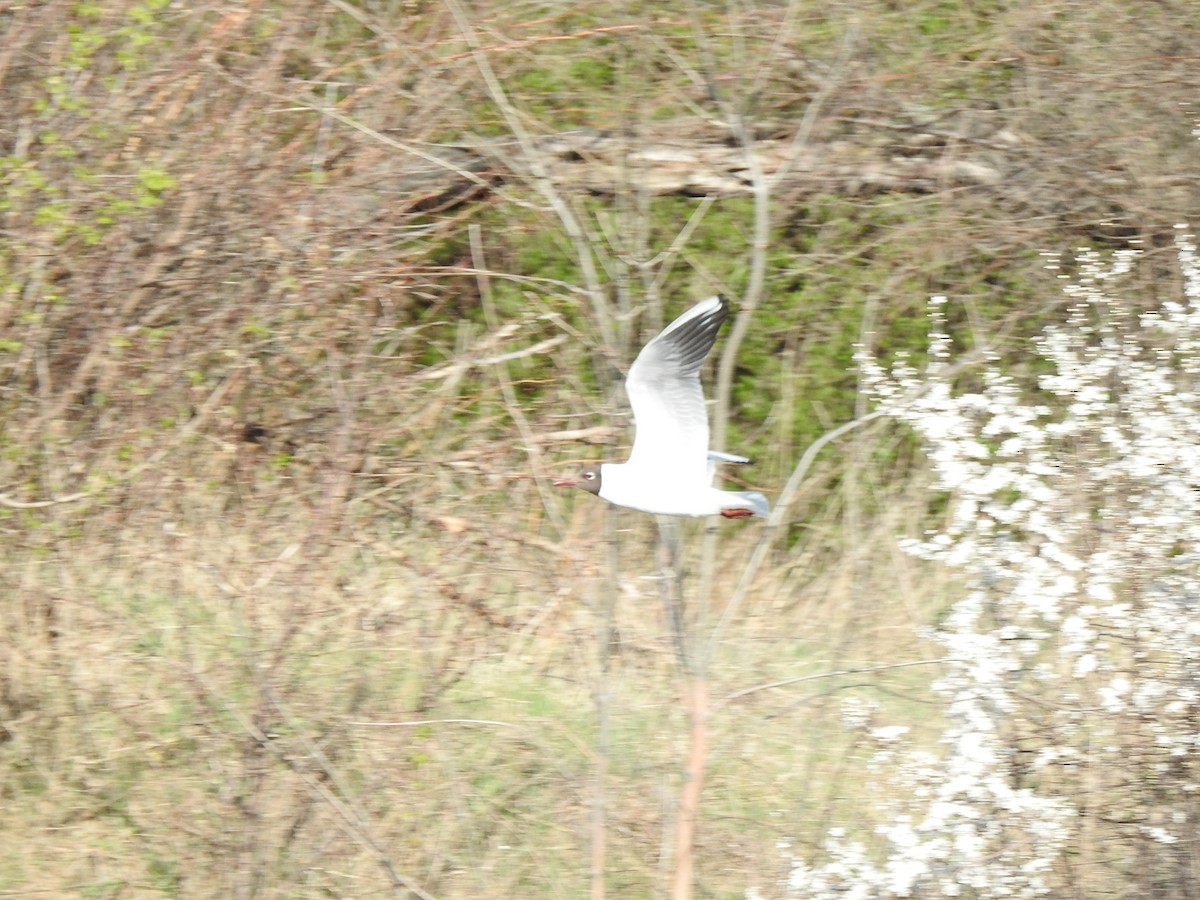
x: 194, y: 708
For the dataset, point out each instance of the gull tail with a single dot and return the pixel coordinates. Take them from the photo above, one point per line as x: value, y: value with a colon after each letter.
x: 751, y: 500
x: 715, y: 456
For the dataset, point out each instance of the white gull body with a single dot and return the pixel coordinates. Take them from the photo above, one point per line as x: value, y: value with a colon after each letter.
x: 670, y: 469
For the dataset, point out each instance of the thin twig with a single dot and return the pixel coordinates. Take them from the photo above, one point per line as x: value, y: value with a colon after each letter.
x: 584, y: 249
x: 201, y: 416
x: 793, y: 484
x: 533, y: 451
x: 416, y: 722
x: 352, y: 822
x: 671, y: 588
x: 689, y: 797
x: 799, y: 679
x: 777, y: 517
x: 603, y: 701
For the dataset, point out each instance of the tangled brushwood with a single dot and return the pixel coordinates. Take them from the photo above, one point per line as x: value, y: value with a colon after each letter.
x: 1069, y: 764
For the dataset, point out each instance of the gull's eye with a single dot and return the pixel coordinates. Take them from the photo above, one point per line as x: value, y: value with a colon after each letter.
x: 590, y: 476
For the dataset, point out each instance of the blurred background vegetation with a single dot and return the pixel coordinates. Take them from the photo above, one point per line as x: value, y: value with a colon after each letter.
x: 303, y: 304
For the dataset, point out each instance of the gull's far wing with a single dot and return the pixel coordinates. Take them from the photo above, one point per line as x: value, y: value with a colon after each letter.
x: 668, y: 403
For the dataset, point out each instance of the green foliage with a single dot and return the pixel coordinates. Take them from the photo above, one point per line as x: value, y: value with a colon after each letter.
x: 78, y: 204
x: 165, y: 874
x: 152, y: 184
x: 589, y: 72
x: 586, y: 79
x: 255, y: 330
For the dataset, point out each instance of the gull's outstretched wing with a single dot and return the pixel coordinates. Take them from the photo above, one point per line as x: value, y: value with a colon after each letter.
x: 664, y: 390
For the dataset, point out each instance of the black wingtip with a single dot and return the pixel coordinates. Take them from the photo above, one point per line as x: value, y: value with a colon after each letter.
x: 695, y: 338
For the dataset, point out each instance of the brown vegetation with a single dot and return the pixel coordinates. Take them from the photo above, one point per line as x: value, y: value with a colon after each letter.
x: 302, y: 304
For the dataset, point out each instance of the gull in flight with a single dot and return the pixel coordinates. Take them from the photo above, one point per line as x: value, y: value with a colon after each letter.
x: 670, y: 469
